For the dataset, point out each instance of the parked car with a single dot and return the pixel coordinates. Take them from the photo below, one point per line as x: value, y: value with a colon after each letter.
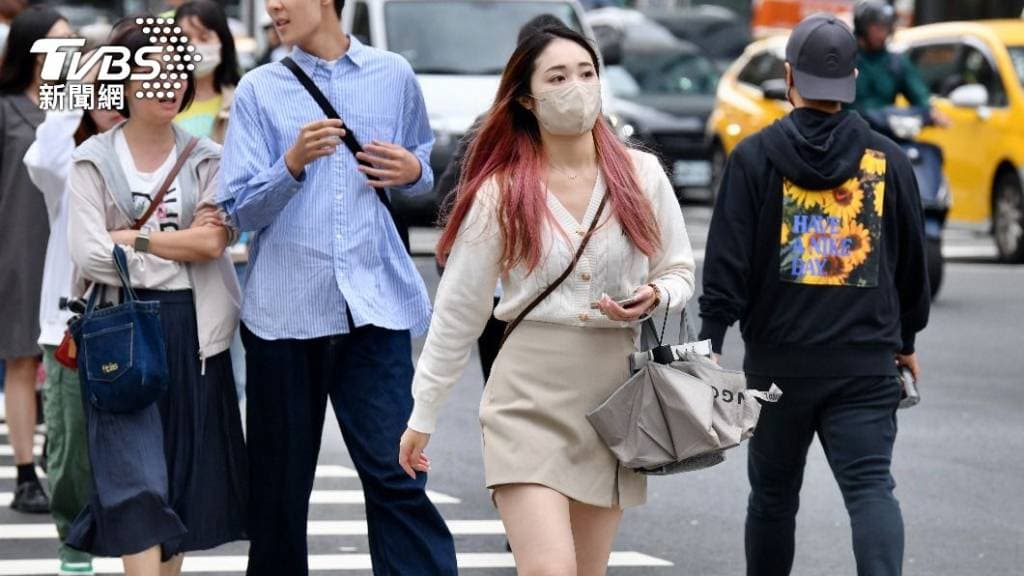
x: 458, y: 49
x: 722, y: 33
x: 663, y: 91
x: 976, y: 70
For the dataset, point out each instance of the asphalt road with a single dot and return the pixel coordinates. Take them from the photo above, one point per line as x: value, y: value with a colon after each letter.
x: 958, y: 464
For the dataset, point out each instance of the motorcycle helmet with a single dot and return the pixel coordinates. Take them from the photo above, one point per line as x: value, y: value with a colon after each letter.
x: 868, y: 12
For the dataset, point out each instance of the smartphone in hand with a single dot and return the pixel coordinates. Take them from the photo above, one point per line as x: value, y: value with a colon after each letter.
x: 624, y: 302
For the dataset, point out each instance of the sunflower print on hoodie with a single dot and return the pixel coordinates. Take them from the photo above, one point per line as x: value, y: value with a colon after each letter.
x: 832, y: 237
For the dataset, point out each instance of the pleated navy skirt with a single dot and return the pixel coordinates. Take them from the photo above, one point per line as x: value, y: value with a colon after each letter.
x: 173, y: 474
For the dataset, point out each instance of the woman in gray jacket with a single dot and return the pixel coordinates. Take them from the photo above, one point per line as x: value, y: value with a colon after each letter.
x: 171, y: 477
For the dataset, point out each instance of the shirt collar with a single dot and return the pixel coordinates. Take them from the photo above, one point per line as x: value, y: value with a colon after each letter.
x: 356, y: 53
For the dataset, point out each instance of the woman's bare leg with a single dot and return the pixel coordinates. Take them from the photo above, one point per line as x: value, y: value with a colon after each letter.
x: 146, y: 563
x: 593, y: 531
x: 173, y: 566
x: 537, y: 522
x: 20, y: 400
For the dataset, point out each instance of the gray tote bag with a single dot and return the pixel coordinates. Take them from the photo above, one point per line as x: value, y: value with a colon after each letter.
x: 679, y: 411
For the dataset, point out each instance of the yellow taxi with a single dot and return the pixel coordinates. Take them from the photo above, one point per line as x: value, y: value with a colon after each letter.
x: 751, y: 95
x: 974, y: 69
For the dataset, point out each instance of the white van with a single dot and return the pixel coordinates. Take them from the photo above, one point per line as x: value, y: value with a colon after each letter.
x: 458, y: 49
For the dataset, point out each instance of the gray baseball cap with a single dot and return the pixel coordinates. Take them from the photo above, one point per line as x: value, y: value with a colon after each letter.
x: 822, y: 51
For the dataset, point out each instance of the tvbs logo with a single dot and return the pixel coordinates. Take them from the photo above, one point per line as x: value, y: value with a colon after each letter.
x: 164, y: 64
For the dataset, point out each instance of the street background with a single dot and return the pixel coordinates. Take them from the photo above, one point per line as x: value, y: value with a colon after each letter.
x: 958, y: 464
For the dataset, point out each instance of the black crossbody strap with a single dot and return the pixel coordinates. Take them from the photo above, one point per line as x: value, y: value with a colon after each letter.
x: 350, y: 140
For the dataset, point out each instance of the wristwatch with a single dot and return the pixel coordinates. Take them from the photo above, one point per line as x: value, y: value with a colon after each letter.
x: 142, y: 241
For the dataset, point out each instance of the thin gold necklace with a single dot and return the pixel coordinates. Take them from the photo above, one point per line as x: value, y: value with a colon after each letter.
x: 571, y: 175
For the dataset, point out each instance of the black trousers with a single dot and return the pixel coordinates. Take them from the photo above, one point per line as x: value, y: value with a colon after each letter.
x: 367, y: 375
x: 855, y: 420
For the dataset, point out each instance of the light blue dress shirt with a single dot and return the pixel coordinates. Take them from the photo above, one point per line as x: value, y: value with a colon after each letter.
x: 324, y: 241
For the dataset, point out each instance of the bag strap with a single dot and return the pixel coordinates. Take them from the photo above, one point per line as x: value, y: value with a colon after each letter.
x: 650, y: 340
x: 558, y: 281
x: 165, y: 186
x: 350, y: 140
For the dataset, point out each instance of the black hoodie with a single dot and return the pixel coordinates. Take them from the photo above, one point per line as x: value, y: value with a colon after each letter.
x: 817, y: 247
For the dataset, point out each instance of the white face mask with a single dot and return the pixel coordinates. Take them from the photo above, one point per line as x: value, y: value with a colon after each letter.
x: 569, y: 110
x: 211, y: 59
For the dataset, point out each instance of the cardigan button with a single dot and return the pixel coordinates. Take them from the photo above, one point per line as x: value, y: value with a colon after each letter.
x: 585, y: 276
x: 581, y: 231
x: 584, y: 317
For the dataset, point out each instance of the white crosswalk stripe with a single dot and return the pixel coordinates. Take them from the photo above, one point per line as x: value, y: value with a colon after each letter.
x: 317, y: 563
x: 8, y: 450
x: 4, y: 430
x: 318, y: 497
x: 48, y: 531
x: 11, y: 472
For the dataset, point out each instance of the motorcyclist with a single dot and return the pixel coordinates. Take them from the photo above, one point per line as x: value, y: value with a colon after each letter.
x: 884, y: 75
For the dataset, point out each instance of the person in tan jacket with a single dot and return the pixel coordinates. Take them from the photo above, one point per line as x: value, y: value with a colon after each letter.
x: 170, y: 478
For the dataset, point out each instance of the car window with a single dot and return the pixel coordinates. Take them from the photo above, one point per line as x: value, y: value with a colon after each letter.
x: 621, y: 82
x: 463, y: 37
x: 672, y: 72
x: 761, y: 68
x: 946, y: 67
x: 1017, y: 56
x: 975, y: 68
x: 936, y: 63
x: 361, y: 23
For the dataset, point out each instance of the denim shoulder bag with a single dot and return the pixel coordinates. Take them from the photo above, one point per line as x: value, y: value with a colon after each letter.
x: 123, y: 360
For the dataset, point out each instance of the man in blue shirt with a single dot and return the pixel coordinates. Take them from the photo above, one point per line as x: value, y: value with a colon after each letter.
x: 331, y: 297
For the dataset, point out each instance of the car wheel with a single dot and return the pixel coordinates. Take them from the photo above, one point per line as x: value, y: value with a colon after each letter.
x: 718, y: 159
x: 1008, y: 217
x: 936, y: 264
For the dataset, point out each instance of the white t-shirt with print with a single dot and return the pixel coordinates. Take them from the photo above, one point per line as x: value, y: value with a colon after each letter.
x: 143, y: 186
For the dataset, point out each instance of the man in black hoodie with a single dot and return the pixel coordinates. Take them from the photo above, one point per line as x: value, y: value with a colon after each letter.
x: 817, y: 247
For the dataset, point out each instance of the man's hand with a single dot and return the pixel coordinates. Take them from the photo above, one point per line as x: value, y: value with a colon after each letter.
x: 939, y: 119
x: 910, y: 362
x: 392, y: 165
x: 316, y: 140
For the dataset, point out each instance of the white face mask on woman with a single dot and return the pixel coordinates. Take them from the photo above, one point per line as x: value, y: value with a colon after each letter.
x: 569, y: 110
x: 210, y: 54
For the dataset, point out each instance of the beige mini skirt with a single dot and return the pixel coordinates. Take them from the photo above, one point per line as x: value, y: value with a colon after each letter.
x: 544, y: 381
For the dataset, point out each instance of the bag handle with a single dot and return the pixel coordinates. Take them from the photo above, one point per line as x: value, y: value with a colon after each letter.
x: 350, y: 140
x: 649, y: 335
x: 120, y: 260
x: 558, y: 281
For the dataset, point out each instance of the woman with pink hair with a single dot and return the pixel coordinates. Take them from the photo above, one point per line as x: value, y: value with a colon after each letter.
x: 547, y: 187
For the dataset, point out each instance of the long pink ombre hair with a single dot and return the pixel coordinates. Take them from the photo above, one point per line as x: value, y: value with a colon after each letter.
x: 509, y: 148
